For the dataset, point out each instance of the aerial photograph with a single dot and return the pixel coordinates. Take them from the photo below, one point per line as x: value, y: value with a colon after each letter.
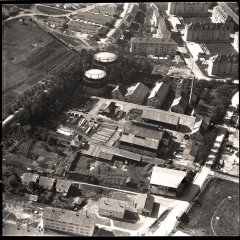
x: 120, y: 119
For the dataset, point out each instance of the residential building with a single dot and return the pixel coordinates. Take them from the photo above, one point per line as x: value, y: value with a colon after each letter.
x: 162, y: 31
x: 80, y: 223
x: 144, y: 204
x: 27, y: 178
x: 208, y: 32
x: 155, y: 46
x: 114, y: 35
x: 223, y: 64
x: 222, y: 12
x: 46, y: 182
x: 136, y: 93
x: 167, y: 182
x: 108, y: 9
x: 188, y: 8
x: 95, y: 17
x: 152, y: 16
x: 57, y: 22
x: 158, y: 94
x: 118, y: 92
x: 63, y: 186
x: 83, y: 27
x: 112, y: 208
x: 165, y: 119
x: 179, y: 105
x: 236, y: 41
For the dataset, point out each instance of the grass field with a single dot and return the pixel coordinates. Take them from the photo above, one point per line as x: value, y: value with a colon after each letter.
x: 50, y: 10
x: 29, y: 55
x: 200, y: 216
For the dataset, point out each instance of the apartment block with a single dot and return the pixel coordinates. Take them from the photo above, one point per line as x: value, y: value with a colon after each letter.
x: 188, y: 8
x: 223, y: 64
x: 208, y: 32
x: 77, y: 223
x: 155, y: 46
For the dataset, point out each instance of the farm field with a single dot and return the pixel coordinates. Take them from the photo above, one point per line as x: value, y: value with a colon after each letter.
x: 202, y: 217
x: 50, y: 10
x: 30, y: 55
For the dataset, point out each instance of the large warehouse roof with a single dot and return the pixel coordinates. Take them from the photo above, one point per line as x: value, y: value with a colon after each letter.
x: 167, y: 177
x: 160, y: 117
x: 95, y: 73
x: 105, y: 57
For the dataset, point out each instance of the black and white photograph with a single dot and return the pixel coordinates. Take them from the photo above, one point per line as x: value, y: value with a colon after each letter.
x: 120, y: 119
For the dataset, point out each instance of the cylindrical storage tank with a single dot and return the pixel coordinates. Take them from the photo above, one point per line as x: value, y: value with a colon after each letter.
x: 105, y: 57
x: 95, y: 81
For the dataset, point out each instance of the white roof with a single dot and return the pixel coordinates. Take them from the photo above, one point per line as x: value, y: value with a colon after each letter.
x: 105, y: 57
x: 167, y: 177
x: 197, y: 125
x: 176, y: 101
x: 179, y: 233
x: 155, y: 90
x: 95, y: 73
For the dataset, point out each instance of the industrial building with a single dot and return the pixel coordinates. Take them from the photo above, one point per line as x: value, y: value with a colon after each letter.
x: 179, y: 105
x: 166, y: 120
x: 105, y: 57
x: 77, y: 223
x: 158, y: 94
x: 188, y: 8
x: 136, y: 93
x: 166, y: 182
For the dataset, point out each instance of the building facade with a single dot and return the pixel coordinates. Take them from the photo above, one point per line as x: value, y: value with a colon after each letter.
x: 236, y: 41
x: 136, y: 93
x: 155, y: 46
x: 223, y: 64
x: 69, y: 221
x: 158, y: 94
x: 208, y: 32
x: 188, y: 8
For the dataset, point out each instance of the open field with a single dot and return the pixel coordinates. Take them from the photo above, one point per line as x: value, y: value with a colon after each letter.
x: 51, y: 10
x: 200, y: 216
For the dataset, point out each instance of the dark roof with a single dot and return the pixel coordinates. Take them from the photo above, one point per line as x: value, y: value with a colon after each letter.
x: 142, y: 131
x: 207, y: 25
x: 110, y: 107
x: 62, y: 215
x: 229, y: 11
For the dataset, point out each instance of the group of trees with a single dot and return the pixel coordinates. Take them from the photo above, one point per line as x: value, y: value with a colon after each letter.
x: 218, y: 95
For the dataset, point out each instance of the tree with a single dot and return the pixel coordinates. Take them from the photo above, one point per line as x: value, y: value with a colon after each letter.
x: 218, y: 114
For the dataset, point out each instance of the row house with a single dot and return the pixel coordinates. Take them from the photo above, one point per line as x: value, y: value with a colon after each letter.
x: 83, y: 27
x: 155, y: 46
x: 208, y: 32
x: 95, y: 18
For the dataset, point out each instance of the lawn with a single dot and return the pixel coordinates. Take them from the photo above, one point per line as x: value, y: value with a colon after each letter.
x: 200, y: 215
x: 50, y: 10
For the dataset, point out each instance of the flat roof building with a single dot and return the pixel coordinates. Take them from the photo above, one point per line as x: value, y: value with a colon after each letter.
x: 144, y: 204
x: 27, y: 178
x: 46, y: 182
x: 166, y: 181
x: 112, y: 208
x: 80, y: 223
